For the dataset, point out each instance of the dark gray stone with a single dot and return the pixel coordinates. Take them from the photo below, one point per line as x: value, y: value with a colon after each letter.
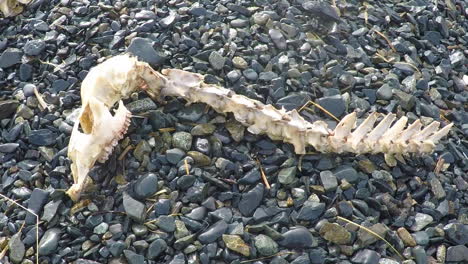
x: 146, y: 186
x: 155, y: 249
x: 298, y: 237
x: 34, y: 47
x: 10, y: 57
x: 334, y: 104
x: 311, y: 211
x: 8, y: 147
x: 293, y: 101
x: 49, y: 242
x: 366, y: 256
x: 133, y: 208
x: 42, y: 137
x: 251, y: 200
x: 174, y: 155
x: 143, y: 49
x: 36, y: 202
x: 213, y: 233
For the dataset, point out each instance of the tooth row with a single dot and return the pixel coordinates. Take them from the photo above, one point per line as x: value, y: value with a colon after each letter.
x: 385, y: 137
x: 120, y: 134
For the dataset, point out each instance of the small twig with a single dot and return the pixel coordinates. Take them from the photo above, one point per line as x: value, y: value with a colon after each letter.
x: 167, y: 129
x: 372, y: 233
x: 37, y: 224
x: 264, y: 178
x: 41, y: 101
x: 305, y: 107
x: 386, y: 39
x: 186, y: 167
x: 267, y: 257
x: 126, y: 150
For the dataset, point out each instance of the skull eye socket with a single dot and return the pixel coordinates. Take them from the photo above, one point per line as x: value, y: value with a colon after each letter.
x: 86, y: 120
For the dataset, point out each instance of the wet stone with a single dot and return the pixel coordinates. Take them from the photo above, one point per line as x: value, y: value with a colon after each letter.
x: 133, y: 258
x: 298, y: 237
x: 49, y: 242
x: 335, y: 234
x: 213, y: 233
x: 385, y: 92
x: 146, y: 186
x: 251, y: 200
x: 133, y: 208
x: 265, y: 245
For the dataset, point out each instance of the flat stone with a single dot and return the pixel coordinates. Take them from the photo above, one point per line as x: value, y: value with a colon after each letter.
x: 133, y: 258
x: 333, y: 104
x: 236, y: 129
x: 419, y: 255
x: 8, y: 147
x: 365, y: 238
x: 265, y: 245
x: 8, y: 108
x: 49, y: 241
x: 297, y: 237
x: 236, y: 244
x: 34, y: 47
x: 143, y: 49
x: 191, y: 113
x: 134, y: 208
x: 385, y: 92
x: 199, y: 158
x: 239, y: 63
x: 213, y: 233
x: 10, y: 57
x: 293, y: 101
x: 166, y: 223
x: 143, y: 105
x: 251, y: 177
x: 335, y: 234
x: 251, y: 200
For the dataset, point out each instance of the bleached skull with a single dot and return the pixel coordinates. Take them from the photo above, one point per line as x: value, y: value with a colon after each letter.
x: 11, y: 8
x: 101, y: 133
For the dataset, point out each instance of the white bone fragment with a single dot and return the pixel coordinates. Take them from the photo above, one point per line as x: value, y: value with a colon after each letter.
x: 119, y: 76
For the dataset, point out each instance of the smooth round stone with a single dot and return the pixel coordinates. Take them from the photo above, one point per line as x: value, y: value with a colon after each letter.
x: 366, y: 256
x: 133, y: 258
x: 185, y: 181
x: 298, y: 237
x: 199, y: 158
x: 116, y: 248
x: 265, y: 245
x: 216, y: 60
x: 162, y: 207
x: 310, y: 211
x: 28, y: 89
x: 49, y: 241
x: 146, y: 186
x: 182, y: 140
x: 250, y: 74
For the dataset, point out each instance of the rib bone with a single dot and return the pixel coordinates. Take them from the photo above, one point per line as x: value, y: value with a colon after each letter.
x: 116, y: 78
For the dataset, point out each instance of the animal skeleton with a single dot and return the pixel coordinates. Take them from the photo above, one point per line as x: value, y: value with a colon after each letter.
x: 119, y: 76
x: 11, y: 8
